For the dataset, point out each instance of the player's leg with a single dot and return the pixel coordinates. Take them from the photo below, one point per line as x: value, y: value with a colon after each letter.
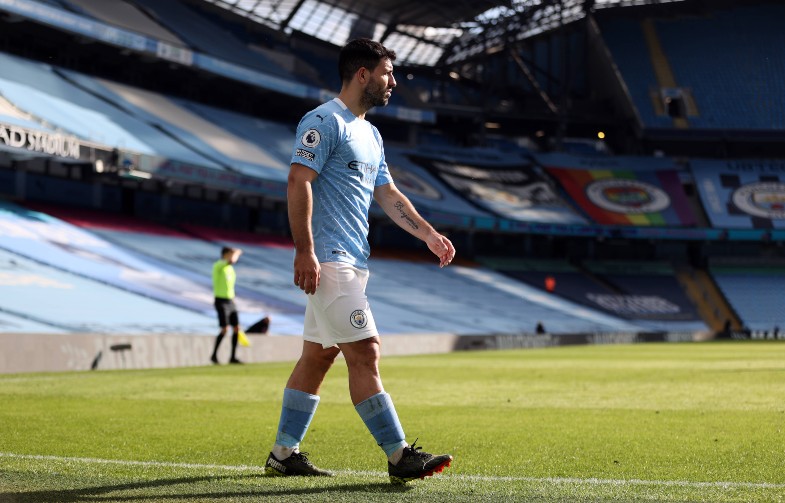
x: 310, y: 370
x: 223, y: 322
x: 235, y: 322
x: 360, y: 344
x: 362, y: 360
x: 375, y: 407
x: 218, y: 339
x: 351, y: 324
x: 301, y: 397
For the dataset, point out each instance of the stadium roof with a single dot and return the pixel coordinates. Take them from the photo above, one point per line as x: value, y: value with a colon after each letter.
x: 422, y: 32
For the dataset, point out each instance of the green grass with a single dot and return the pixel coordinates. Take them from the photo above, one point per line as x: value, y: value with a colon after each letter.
x: 649, y: 422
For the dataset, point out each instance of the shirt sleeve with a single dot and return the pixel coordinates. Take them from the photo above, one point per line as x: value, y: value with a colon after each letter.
x: 315, y: 141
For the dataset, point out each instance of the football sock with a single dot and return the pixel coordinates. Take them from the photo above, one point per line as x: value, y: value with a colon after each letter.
x: 280, y: 452
x: 378, y: 414
x: 396, y: 456
x: 296, y: 415
x: 235, y: 338
x: 218, y: 342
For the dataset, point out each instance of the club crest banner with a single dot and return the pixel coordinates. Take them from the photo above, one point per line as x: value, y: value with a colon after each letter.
x: 742, y: 194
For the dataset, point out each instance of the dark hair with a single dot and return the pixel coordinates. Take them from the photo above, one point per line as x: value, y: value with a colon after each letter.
x: 225, y: 250
x: 361, y: 53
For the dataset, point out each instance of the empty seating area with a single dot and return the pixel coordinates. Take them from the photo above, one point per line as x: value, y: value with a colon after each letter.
x: 646, y: 293
x: 754, y: 292
x: 627, y: 45
x: 736, y: 81
x: 203, y: 34
x: 125, y: 15
x: 477, y: 300
x: 146, y: 278
x: 200, y: 134
x: 50, y: 251
x: 478, y: 190
x: 41, y: 91
x: 117, y: 115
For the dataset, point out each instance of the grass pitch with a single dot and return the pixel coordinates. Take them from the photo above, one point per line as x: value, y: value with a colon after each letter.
x: 648, y: 422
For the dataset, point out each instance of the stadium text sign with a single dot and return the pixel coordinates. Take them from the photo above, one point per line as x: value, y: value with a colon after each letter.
x: 39, y: 141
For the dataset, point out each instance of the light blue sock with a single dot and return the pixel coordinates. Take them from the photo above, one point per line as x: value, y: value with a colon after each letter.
x: 378, y: 414
x: 296, y: 415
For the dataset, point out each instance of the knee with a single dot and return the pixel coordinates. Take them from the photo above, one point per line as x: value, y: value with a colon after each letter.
x: 364, y: 357
x: 322, y: 361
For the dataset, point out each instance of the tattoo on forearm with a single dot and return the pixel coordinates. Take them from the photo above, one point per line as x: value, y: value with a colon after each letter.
x: 401, y: 209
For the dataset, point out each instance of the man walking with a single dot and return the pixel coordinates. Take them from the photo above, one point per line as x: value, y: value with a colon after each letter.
x: 337, y: 166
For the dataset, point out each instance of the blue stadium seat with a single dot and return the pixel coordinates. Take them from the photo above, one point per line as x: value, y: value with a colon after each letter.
x: 627, y: 44
x: 755, y: 294
x: 36, y: 88
x: 407, y: 297
x: 207, y: 36
x: 738, y: 81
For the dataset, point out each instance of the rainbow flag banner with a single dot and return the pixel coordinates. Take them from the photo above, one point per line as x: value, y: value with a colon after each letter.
x: 639, y: 197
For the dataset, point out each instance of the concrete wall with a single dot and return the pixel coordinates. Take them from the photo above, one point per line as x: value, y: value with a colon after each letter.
x: 58, y: 352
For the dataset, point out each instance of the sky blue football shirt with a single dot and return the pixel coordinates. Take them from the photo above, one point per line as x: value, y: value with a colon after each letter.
x: 348, y: 154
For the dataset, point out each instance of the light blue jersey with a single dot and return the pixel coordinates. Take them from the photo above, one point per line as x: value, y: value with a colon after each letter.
x: 348, y: 154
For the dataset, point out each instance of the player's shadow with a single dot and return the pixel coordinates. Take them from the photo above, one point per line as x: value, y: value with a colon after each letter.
x: 106, y: 492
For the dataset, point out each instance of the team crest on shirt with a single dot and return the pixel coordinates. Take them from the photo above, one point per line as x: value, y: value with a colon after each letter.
x: 358, y: 318
x: 311, y: 138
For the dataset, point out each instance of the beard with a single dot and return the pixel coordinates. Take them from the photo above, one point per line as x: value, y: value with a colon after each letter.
x: 374, y: 96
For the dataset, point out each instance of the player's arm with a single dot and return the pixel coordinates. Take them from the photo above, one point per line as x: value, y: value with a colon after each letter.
x: 398, y: 207
x: 300, y: 206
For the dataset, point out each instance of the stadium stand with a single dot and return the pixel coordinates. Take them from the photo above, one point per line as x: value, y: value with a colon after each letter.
x: 730, y: 83
x: 407, y: 297
x: 78, y: 304
x: 113, y: 114
x: 205, y: 35
x: 211, y: 142
x: 273, y: 137
x: 627, y: 44
x: 201, y: 135
x: 478, y: 300
x: 319, y: 59
x: 754, y: 291
x: 707, y: 298
x: 40, y: 91
x: 737, y: 82
x: 646, y: 293
x: 125, y: 15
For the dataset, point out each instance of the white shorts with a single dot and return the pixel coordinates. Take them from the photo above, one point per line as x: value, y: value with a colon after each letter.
x: 339, y: 311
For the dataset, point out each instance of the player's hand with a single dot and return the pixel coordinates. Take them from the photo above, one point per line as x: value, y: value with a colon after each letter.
x: 442, y: 248
x: 307, y: 272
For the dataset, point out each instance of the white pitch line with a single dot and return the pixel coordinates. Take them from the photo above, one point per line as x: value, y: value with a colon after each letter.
x: 479, y: 478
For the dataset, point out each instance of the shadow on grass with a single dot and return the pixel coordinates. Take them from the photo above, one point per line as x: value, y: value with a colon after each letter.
x: 108, y: 492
